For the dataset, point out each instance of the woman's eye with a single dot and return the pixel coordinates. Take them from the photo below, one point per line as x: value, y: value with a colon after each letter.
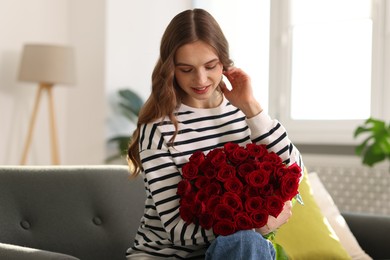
x: 211, y: 67
x: 186, y: 70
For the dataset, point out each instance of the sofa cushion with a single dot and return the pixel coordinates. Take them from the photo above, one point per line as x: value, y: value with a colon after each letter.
x: 308, y: 235
x: 90, y: 212
x: 336, y: 220
x: 12, y: 252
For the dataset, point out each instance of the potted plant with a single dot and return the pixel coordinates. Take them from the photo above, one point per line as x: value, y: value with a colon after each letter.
x: 375, y: 147
x: 129, y: 106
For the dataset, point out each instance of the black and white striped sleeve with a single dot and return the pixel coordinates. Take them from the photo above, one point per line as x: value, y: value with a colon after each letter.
x: 162, y: 176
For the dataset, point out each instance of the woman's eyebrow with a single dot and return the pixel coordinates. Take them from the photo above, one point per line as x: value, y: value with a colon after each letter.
x: 184, y: 64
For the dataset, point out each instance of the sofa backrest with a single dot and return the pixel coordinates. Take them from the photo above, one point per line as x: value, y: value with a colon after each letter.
x: 90, y: 212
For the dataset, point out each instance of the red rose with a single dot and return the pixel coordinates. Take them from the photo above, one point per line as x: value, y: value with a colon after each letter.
x: 223, y: 211
x: 230, y: 147
x: 273, y: 158
x: 279, y: 172
x: 267, y: 167
x: 190, y: 170
x: 202, y: 182
x: 206, y: 220
x: 254, y: 203
x: 198, y: 207
x: 218, y: 158
x: 226, y: 172
x: 267, y: 190
x: 245, y: 168
x: 201, y: 195
x: 232, y: 200
x: 214, y: 188
x: 289, y: 184
x: 243, y: 221
x: 189, y: 198
x: 233, y: 185
x: 274, y: 205
x: 210, y: 172
x: 224, y: 227
x: 250, y: 191
x: 259, y: 218
x: 186, y: 213
x: 256, y: 151
x: 183, y: 188
x: 239, y: 155
x: 213, y: 202
x: 258, y: 178
x: 294, y: 168
x: 197, y: 157
x: 213, y: 153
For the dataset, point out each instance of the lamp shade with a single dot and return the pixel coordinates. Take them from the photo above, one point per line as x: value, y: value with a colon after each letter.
x: 49, y: 64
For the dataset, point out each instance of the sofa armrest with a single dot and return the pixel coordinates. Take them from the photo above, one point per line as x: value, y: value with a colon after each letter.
x: 13, y: 252
x: 372, y: 232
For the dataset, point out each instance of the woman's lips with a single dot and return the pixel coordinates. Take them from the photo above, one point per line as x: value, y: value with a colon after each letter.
x: 201, y: 90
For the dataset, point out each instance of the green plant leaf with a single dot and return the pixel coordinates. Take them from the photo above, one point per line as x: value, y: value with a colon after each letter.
x: 130, y: 101
x: 373, y: 156
x: 361, y: 130
x: 130, y: 104
x: 280, y: 252
x: 123, y: 142
x: 359, y: 150
x: 376, y: 146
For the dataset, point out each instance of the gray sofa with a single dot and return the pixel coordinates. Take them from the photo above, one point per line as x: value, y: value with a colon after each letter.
x: 93, y: 212
x: 86, y: 212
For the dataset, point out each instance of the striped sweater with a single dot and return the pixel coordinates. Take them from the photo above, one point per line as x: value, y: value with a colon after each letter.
x: 162, y: 232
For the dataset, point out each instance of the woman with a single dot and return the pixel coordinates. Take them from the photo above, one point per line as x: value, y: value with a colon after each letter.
x: 190, y: 109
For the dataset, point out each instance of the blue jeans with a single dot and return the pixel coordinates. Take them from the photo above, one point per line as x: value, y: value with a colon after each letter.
x: 242, y: 245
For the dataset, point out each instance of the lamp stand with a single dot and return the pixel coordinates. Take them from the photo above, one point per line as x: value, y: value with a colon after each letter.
x: 53, y: 132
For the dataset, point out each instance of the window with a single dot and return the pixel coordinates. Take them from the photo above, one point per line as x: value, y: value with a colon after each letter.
x: 325, y: 67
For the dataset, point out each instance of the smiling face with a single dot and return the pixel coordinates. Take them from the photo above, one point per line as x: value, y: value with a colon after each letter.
x: 198, y: 72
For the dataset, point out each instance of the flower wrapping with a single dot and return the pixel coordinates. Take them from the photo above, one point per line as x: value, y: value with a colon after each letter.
x: 235, y: 188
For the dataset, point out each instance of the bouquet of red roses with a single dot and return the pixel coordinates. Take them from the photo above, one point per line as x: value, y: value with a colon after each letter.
x: 235, y: 188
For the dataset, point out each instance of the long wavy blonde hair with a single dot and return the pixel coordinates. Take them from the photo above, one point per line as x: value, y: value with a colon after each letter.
x: 186, y: 27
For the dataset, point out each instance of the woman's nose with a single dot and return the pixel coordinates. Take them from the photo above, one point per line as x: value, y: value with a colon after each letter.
x: 201, y: 76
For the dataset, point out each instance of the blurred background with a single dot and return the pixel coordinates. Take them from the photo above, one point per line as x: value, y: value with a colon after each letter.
x: 319, y: 66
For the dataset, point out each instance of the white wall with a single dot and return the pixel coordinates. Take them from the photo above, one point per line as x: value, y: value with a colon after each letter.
x: 116, y: 44
x: 86, y: 109
x: 41, y: 21
x: 79, y: 108
x: 134, y: 31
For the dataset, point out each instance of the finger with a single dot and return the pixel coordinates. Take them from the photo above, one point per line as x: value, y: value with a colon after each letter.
x: 231, y: 72
x: 288, y: 204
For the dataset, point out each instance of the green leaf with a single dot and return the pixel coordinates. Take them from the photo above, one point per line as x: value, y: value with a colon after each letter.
x: 359, y: 150
x: 122, y: 142
x: 360, y: 130
x: 371, y: 156
x: 376, y: 146
x: 130, y: 101
x: 130, y: 104
x: 280, y: 252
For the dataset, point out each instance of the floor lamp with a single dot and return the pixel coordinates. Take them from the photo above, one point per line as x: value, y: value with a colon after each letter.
x: 46, y: 65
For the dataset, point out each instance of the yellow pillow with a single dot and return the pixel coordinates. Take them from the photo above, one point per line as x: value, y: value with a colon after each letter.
x: 308, y: 235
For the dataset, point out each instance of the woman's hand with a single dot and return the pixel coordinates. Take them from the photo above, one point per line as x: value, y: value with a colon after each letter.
x: 241, y: 94
x: 274, y: 223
